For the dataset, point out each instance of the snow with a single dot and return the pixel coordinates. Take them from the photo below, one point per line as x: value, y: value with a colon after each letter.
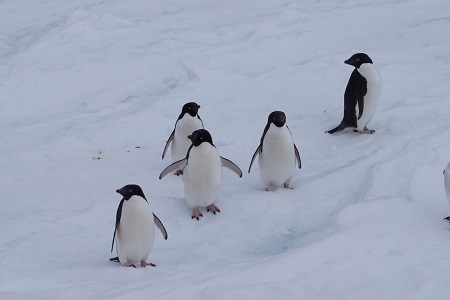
x: 90, y: 91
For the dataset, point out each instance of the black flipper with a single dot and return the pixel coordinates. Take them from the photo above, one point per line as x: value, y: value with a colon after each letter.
x: 258, y: 150
x: 169, y: 140
x: 297, y: 157
x: 118, y: 216
x: 160, y: 225
x: 360, y: 97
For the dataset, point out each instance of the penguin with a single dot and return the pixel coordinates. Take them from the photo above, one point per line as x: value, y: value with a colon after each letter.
x: 134, y: 232
x: 447, y: 185
x: 278, y: 155
x: 361, y: 95
x: 188, y: 121
x: 202, y: 173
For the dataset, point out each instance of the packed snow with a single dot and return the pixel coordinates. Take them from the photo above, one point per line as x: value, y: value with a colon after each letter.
x: 90, y: 92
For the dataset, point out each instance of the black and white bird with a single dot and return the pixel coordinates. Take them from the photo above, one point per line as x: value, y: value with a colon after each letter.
x: 188, y: 121
x: 202, y: 173
x: 134, y: 232
x: 447, y: 185
x: 278, y: 155
x: 361, y: 95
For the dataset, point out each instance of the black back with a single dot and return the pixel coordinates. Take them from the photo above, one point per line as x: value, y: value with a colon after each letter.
x: 354, y: 93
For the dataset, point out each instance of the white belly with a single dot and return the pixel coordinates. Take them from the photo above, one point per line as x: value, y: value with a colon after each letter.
x: 202, y: 176
x: 447, y: 182
x: 372, y: 97
x: 136, y: 231
x: 277, y: 160
x: 183, y: 129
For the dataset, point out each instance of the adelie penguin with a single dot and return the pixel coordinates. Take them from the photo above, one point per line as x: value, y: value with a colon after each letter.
x: 447, y: 185
x: 134, y: 232
x: 361, y: 95
x: 278, y: 155
x: 188, y: 121
x: 202, y: 173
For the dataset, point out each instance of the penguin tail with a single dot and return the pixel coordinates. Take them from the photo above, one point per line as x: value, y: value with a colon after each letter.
x: 114, y: 259
x: 337, y: 129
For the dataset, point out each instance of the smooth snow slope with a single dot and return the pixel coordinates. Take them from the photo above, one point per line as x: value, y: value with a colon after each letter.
x: 90, y: 91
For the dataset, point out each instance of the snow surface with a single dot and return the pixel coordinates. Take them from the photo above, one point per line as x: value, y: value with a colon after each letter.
x: 90, y: 91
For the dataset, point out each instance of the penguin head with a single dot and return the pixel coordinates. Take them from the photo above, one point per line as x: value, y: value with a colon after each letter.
x: 278, y: 118
x: 358, y: 59
x: 131, y: 190
x: 190, y: 108
x: 199, y: 136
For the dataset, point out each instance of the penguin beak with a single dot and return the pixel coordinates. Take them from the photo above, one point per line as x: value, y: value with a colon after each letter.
x: 347, y: 62
x: 190, y: 137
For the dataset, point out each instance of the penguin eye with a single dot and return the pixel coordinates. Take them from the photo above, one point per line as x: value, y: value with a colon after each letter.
x: 130, y: 190
x: 357, y: 59
x: 201, y: 138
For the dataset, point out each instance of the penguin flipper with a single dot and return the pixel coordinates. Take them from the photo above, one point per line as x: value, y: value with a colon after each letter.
x: 160, y: 225
x: 118, y: 216
x: 297, y: 157
x: 169, y: 140
x: 360, y: 98
x: 178, y: 165
x: 231, y: 165
x: 258, y: 150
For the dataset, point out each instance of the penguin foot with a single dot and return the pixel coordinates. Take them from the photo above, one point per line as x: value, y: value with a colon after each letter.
x: 178, y: 172
x: 447, y: 219
x: 365, y: 131
x: 212, y: 208
x: 130, y: 265
x: 196, y: 214
x: 145, y: 264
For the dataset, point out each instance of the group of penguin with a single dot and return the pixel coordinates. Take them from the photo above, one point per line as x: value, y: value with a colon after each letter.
x: 195, y: 157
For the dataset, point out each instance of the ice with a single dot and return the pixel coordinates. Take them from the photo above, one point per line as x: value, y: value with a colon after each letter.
x: 90, y: 91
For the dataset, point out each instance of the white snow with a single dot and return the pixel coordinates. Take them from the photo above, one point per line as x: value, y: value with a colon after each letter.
x: 90, y: 91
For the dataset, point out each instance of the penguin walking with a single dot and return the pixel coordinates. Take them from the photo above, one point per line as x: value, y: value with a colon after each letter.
x: 134, y: 232
x: 278, y: 155
x: 188, y: 121
x: 202, y: 173
x: 361, y: 95
x: 447, y: 185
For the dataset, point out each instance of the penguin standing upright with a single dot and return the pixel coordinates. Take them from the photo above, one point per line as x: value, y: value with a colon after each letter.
x: 202, y: 175
x: 188, y: 121
x: 361, y: 94
x: 134, y: 232
x: 278, y: 155
x: 447, y: 185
